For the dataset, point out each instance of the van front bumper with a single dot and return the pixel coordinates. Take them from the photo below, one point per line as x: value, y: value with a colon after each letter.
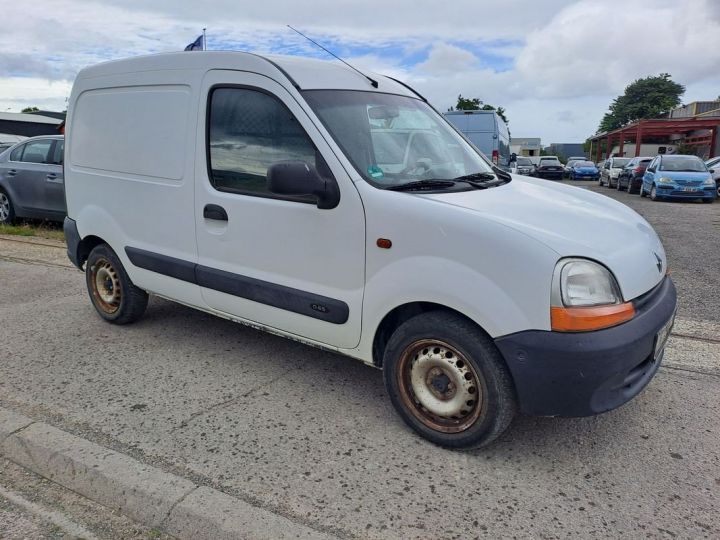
x: 586, y: 373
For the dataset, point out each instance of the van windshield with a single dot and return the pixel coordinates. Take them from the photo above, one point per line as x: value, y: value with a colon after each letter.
x: 392, y: 140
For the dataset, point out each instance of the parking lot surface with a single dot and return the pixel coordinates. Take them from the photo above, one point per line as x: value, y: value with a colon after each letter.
x: 311, y: 435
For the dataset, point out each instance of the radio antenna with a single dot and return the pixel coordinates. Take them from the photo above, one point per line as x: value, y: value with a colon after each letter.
x: 373, y: 82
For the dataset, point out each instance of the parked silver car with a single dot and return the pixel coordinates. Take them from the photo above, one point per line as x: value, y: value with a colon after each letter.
x: 31, y: 179
x: 714, y: 165
x: 611, y: 170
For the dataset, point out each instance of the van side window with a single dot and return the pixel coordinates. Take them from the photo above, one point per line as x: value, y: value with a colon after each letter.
x: 250, y: 131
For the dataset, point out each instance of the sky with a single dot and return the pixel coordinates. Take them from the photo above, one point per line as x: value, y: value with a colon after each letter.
x: 554, y: 65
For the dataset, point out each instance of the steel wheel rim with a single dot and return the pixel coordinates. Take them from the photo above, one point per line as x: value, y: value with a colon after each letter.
x: 439, y: 387
x: 4, y: 207
x: 106, y: 288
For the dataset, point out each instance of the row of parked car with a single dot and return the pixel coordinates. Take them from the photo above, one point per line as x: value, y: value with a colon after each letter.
x: 550, y: 167
x: 667, y: 176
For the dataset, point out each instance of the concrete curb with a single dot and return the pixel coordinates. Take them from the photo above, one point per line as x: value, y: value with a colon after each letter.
x: 144, y: 493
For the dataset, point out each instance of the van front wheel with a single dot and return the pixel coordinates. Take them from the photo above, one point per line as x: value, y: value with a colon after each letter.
x: 448, y: 381
x: 114, y: 296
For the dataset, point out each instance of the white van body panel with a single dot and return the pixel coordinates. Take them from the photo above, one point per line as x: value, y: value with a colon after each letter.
x: 135, y: 173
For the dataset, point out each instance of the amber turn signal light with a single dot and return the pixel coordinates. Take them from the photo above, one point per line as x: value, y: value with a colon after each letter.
x: 584, y: 319
x: 384, y: 243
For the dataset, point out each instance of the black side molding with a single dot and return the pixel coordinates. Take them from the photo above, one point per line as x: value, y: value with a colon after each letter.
x: 264, y: 292
x: 271, y: 294
x: 162, y: 264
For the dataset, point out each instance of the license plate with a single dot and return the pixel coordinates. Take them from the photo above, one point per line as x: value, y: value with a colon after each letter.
x: 662, y: 336
x: 689, y: 189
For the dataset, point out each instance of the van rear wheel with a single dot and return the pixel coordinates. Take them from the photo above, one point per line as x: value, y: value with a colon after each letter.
x: 114, y: 296
x: 448, y: 381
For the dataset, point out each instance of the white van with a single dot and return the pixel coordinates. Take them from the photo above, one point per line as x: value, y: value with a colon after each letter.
x: 306, y: 199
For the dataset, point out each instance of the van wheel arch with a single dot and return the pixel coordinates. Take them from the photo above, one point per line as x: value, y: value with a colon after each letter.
x: 85, y: 246
x: 399, y: 315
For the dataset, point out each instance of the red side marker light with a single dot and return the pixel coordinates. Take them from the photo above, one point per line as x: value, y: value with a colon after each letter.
x: 384, y: 243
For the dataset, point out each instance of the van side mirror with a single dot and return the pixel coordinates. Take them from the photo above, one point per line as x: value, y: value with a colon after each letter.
x: 300, y: 178
x: 711, y: 171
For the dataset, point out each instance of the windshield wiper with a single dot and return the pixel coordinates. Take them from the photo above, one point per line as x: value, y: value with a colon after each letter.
x: 422, y: 184
x: 482, y: 180
x: 477, y: 176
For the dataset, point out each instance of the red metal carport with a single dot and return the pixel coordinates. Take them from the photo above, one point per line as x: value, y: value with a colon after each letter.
x: 660, y: 127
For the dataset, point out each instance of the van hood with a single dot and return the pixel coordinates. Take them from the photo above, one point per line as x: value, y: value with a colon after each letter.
x: 574, y: 222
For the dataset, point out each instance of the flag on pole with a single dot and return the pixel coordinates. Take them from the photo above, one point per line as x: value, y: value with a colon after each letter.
x: 197, y: 45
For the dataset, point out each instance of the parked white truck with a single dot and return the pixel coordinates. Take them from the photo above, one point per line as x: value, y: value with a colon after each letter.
x: 303, y: 198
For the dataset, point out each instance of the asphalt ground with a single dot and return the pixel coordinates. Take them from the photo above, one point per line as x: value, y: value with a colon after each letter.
x: 311, y: 436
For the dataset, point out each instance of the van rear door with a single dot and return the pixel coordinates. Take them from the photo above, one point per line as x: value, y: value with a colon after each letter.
x: 275, y: 260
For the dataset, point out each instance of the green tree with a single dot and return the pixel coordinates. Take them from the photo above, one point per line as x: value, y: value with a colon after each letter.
x: 476, y: 104
x: 467, y: 104
x: 30, y: 109
x: 643, y: 98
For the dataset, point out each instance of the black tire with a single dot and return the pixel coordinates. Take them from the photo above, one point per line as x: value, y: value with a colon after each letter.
x: 466, y: 363
x: 642, y: 190
x: 653, y: 193
x: 113, y: 295
x: 619, y: 185
x: 7, y: 212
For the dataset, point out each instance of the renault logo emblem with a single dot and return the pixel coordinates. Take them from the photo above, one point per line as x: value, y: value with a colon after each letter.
x: 659, y: 262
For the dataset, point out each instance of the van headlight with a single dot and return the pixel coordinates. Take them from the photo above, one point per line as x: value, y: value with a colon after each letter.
x: 585, y: 296
x: 665, y: 180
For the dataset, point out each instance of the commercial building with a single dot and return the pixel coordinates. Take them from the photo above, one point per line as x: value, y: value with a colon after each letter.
x: 526, y: 146
x: 694, y: 125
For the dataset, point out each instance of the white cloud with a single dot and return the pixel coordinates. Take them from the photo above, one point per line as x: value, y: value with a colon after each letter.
x: 444, y: 59
x: 20, y: 92
x: 600, y: 47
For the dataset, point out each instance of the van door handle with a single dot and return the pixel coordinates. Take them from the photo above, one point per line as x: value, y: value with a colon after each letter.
x: 213, y: 211
x: 12, y: 172
x: 51, y: 176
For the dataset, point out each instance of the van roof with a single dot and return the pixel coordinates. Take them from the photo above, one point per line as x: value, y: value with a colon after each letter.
x: 479, y: 111
x: 303, y: 73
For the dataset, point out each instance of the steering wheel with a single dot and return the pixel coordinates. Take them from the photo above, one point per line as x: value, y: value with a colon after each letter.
x: 423, y: 163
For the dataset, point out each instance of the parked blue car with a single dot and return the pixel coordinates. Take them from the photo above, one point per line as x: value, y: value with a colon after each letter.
x: 678, y: 177
x: 584, y: 170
